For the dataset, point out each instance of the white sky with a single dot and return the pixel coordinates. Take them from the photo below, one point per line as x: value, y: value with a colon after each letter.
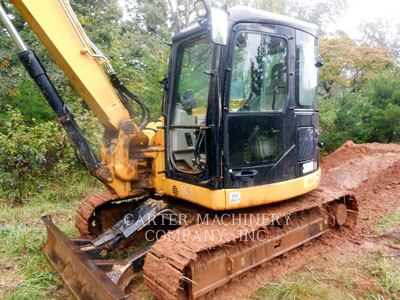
x: 363, y: 10
x: 368, y: 10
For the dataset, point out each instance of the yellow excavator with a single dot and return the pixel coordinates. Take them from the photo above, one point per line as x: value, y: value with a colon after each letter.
x: 205, y: 184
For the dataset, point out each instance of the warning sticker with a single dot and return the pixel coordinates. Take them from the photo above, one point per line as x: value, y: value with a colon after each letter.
x: 234, y: 197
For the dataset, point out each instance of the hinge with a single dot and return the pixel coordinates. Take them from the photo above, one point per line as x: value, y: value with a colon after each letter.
x: 209, y: 72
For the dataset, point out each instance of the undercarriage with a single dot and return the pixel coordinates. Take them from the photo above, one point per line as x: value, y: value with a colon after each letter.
x: 187, y: 253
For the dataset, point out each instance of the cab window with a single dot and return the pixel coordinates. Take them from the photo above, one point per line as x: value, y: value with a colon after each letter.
x: 307, y: 74
x: 258, y: 94
x: 259, y: 74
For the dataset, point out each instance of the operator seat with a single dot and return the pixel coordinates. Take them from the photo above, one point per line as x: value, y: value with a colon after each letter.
x: 276, y: 91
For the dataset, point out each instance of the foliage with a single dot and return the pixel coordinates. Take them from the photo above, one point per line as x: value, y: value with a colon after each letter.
x: 372, y: 115
x: 28, y: 99
x: 358, y: 94
x: 346, y: 63
x: 29, y: 154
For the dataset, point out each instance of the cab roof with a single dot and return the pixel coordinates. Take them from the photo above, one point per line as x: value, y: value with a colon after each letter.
x: 250, y: 15
x: 245, y: 14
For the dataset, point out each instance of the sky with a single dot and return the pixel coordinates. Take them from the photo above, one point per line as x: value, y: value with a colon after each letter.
x: 368, y: 10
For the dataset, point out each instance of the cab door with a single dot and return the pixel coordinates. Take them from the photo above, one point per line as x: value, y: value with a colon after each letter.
x: 187, y: 137
x: 259, y: 120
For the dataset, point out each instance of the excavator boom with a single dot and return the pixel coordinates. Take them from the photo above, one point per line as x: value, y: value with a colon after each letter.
x: 60, y: 31
x: 52, y: 21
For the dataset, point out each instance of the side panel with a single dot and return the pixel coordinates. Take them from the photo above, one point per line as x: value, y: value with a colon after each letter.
x: 50, y: 23
x: 270, y: 193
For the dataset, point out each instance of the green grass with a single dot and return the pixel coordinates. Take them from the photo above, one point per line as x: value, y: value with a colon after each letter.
x: 24, y: 271
x: 374, y: 276
x: 361, y: 278
x: 388, y: 222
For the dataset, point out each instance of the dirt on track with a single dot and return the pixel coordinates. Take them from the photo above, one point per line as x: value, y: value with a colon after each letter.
x: 372, y: 173
x: 369, y: 171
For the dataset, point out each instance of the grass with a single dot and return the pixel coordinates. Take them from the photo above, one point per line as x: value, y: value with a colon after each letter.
x: 24, y: 271
x: 387, y: 223
x: 375, y: 276
x: 360, y: 278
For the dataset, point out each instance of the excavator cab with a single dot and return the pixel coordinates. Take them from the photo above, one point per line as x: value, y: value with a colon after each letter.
x: 242, y: 112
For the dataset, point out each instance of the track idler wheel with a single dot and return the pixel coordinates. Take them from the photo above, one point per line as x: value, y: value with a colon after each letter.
x: 339, y: 212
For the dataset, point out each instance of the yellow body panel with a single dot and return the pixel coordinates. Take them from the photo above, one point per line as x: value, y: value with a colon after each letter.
x: 275, y: 192
x: 50, y: 23
x: 248, y: 197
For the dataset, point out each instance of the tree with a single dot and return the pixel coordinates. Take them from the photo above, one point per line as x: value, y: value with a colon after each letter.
x: 141, y: 55
x: 321, y: 13
x: 16, y: 87
x: 384, y: 116
x: 350, y: 65
x: 99, y: 18
x: 370, y: 115
x: 382, y: 33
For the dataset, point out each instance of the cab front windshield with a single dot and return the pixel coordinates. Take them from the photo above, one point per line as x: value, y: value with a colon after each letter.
x: 259, y: 90
x: 189, y: 107
x: 259, y: 76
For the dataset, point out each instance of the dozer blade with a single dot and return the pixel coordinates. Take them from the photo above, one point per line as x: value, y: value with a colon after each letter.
x: 85, y: 277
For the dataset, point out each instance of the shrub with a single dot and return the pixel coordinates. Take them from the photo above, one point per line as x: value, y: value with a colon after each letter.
x: 29, y: 154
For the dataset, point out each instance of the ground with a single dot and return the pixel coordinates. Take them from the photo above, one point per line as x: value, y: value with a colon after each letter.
x: 24, y: 271
x: 361, y: 262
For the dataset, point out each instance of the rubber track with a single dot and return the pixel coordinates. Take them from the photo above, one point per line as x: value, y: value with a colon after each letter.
x: 87, y: 208
x: 166, y: 263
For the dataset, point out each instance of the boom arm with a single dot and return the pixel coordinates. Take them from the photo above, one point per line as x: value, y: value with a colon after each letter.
x: 50, y: 22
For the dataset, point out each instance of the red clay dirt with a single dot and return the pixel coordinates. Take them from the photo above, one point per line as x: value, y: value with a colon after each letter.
x: 370, y: 171
x: 87, y: 208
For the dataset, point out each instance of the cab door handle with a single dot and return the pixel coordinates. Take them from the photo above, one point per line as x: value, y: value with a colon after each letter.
x: 244, y: 174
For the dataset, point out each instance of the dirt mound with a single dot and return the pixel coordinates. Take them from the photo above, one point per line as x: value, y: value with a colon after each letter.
x: 350, y: 150
x: 351, y: 164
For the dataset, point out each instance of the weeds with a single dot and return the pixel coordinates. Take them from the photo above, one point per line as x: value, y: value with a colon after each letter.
x: 24, y: 271
x: 374, y: 277
x: 389, y: 221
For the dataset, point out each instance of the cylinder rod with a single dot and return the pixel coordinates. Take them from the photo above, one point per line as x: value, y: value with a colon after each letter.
x: 11, y: 30
x: 36, y: 70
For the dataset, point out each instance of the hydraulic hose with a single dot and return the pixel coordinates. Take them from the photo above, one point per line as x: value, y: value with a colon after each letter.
x: 124, y: 92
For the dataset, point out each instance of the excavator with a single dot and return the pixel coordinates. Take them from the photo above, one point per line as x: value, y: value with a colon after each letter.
x: 228, y: 177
